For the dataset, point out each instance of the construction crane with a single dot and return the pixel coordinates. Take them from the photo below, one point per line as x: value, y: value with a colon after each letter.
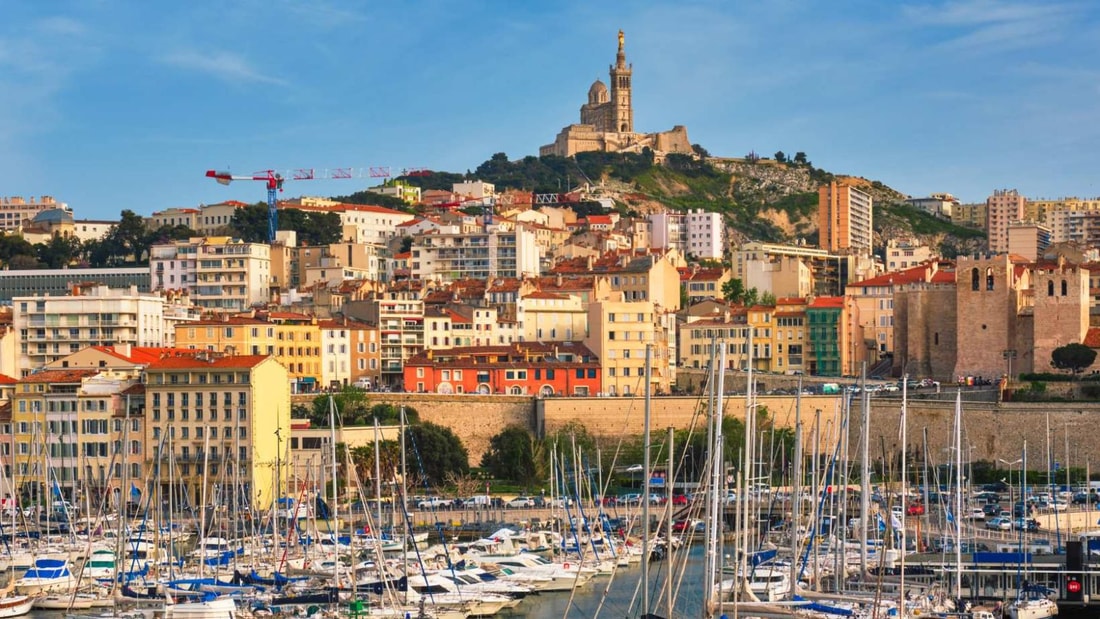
x: 275, y: 179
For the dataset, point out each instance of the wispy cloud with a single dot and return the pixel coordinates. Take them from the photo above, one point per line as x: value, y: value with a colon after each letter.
x: 994, y: 25
x: 226, y: 66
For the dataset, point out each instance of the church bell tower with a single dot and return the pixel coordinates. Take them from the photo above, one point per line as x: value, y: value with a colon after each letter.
x: 622, y: 110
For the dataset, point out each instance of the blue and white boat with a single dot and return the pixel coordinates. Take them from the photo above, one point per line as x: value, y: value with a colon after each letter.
x: 46, y: 576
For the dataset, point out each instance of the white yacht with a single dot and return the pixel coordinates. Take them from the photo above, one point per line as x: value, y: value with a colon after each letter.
x: 46, y: 576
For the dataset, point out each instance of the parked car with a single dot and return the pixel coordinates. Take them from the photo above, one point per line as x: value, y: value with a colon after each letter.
x: 521, y: 501
x: 1025, y: 524
x: 633, y: 498
x: 1081, y: 498
x: 635, y: 468
x: 915, y: 509
x: 434, y: 502
x: 991, y: 510
x: 679, y: 499
x: 1000, y: 524
x: 999, y: 487
x: 976, y: 513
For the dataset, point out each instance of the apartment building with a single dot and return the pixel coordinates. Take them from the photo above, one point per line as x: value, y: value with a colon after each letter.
x: 15, y: 210
x: 220, y: 419
x: 905, y: 253
x: 366, y: 353
x: 399, y: 315
x: 551, y: 316
x: 701, y: 284
x: 938, y: 204
x: 522, y: 368
x: 972, y: 215
x: 1002, y: 208
x: 494, y: 252
x: 214, y: 219
x: 60, y: 282
x: 64, y: 436
x: 696, y: 233
x: 293, y: 339
x: 1028, y: 239
x: 176, y: 216
x: 844, y: 219
x: 48, y: 328
x: 836, y: 342
x: 618, y: 333
x: 220, y: 273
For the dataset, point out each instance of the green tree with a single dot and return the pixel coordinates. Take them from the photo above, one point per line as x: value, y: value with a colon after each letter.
x: 751, y: 297
x: 249, y: 223
x: 768, y: 299
x: 60, y: 251
x: 434, y: 452
x: 24, y: 261
x: 132, y: 236
x: 511, y: 456
x: 1073, y: 357
x: 780, y: 156
x: 406, y: 244
x: 800, y: 158
x: 733, y: 290
x: 12, y: 245
x: 699, y: 150
x: 165, y: 234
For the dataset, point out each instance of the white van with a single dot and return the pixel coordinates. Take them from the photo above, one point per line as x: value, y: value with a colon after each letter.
x: 363, y: 383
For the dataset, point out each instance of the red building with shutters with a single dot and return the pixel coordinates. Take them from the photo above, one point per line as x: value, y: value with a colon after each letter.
x: 521, y: 368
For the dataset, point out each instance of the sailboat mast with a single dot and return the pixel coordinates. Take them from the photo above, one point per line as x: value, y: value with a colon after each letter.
x: 796, y: 484
x: 645, y: 480
x: 670, y: 478
x: 377, y: 480
x: 958, y: 493
x: 864, y: 476
x: 334, y: 526
x: 904, y: 484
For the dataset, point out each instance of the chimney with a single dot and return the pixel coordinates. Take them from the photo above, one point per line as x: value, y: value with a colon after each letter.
x: 124, y: 349
x: 560, y: 278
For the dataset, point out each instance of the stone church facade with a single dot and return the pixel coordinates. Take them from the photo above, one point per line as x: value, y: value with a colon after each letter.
x: 607, y: 121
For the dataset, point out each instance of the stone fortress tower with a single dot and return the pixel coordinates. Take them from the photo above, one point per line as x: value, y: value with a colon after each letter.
x: 607, y: 120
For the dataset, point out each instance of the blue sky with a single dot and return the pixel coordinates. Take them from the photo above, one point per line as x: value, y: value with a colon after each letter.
x: 112, y: 105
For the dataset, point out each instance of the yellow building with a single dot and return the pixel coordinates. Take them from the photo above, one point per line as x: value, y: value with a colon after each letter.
x: 778, y: 337
x: 223, y: 419
x: 62, y: 430
x: 293, y: 339
x: 619, y: 332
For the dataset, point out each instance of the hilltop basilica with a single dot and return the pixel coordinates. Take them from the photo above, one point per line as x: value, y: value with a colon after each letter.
x: 607, y: 121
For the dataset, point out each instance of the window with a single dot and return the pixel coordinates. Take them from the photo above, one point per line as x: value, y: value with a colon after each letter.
x: 1064, y: 287
x: 974, y: 279
x: 989, y: 278
x: 1050, y: 288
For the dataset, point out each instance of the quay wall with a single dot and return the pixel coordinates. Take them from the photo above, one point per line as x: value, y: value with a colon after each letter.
x: 991, y: 430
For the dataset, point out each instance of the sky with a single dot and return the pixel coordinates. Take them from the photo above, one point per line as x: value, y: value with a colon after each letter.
x: 111, y: 105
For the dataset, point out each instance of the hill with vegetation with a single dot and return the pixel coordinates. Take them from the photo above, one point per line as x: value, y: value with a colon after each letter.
x: 771, y: 200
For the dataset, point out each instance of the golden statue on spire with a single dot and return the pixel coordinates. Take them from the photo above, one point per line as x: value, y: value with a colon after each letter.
x: 620, y: 39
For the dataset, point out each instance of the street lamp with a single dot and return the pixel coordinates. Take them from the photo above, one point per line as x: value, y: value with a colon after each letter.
x: 1011, y: 488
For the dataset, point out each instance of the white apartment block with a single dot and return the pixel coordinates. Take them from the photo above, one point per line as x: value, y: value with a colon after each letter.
x: 14, y: 210
x: 1003, y: 207
x: 370, y: 224
x: 904, y: 254
x: 497, y: 252
x: 551, y: 317
x: 939, y: 204
x: 477, y: 190
x: 48, y: 328
x: 220, y: 273
x: 336, y: 342
x: 696, y: 233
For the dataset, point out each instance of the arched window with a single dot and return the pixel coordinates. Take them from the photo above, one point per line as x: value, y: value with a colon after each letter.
x: 1064, y: 287
x: 989, y: 278
x: 1050, y: 288
x: 974, y: 278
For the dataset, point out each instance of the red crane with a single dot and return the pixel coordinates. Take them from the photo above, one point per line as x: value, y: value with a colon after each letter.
x: 275, y: 180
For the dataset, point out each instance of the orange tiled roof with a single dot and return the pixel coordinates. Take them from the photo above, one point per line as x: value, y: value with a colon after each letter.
x: 823, y: 302
x: 7, y: 380
x: 701, y: 275
x: 58, y: 376
x: 1092, y: 337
